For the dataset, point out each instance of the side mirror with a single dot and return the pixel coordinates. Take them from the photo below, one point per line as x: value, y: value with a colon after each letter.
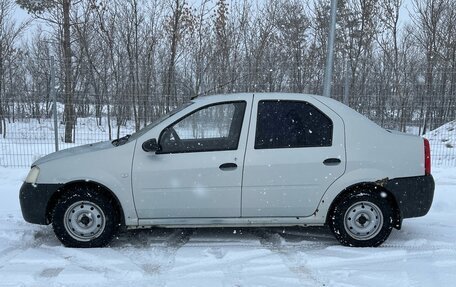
x: 150, y: 145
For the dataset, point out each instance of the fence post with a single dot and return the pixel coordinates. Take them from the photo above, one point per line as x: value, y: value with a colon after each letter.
x: 346, y: 82
x: 330, y: 51
x: 54, y: 98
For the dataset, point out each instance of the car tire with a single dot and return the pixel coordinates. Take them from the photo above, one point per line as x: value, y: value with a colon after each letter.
x: 362, y: 219
x: 85, y: 218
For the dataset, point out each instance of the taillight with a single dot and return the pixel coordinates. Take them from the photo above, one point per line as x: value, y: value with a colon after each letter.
x: 427, y: 157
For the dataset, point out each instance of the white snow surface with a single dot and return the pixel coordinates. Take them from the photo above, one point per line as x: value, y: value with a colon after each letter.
x: 423, y: 253
x: 443, y: 144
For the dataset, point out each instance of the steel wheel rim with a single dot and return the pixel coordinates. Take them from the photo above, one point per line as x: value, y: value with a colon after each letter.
x: 363, y: 220
x: 84, y: 221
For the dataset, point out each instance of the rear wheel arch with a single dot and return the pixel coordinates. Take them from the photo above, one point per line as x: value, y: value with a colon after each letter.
x: 371, y: 187
x: 71, y: 187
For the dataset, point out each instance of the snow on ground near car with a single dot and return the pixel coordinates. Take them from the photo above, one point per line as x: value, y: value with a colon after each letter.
x: 423, y: 253
x: 443, y: 144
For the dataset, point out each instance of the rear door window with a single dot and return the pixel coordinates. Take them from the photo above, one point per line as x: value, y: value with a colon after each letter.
x: 291, y: 124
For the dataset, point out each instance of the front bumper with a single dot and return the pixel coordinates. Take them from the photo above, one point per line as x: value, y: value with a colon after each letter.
x: 34, y: 199
x: 413, y: 195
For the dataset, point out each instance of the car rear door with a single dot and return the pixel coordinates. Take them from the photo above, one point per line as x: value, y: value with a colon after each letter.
x: 295, y: 151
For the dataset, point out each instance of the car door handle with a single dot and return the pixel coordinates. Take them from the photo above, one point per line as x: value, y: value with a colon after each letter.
x: 228, y: 166
x: 331, y: 161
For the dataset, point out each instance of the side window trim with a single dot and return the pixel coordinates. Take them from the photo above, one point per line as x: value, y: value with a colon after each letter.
x: 195, y: 111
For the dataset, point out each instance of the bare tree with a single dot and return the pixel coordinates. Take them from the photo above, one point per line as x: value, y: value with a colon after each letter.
x: 58, y: 13
x: 177, y: 24
x: 131, y: 61
x: 10, y: 31
x: 429, y: 20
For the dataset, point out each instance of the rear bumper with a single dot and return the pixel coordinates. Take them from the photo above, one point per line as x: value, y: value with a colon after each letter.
x: 34, y: 199
x: 413, y: 195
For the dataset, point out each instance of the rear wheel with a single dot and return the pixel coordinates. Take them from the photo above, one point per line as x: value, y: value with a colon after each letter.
x: 85, y: 218
x: 362, y: 219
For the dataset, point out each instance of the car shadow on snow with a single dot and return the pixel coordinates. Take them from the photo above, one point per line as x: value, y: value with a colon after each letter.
x: 268, y: 237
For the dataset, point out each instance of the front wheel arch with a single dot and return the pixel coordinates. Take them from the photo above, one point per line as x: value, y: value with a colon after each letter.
x: 71, y: 186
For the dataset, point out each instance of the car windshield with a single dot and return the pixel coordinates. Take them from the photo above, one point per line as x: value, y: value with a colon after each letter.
x: 144, y: 130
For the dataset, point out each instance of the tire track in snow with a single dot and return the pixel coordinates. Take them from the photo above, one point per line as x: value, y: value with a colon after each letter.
x: 29, y: 239
x: 9, y: 253
x: 153, y: 250
x: 420, y: 245
x: 176, y: 241
x: 276, y: 243
x: 179, y: 238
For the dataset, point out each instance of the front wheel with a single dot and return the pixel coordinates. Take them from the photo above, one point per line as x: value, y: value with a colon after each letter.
x: 84, y: 218
x: 363, y: 219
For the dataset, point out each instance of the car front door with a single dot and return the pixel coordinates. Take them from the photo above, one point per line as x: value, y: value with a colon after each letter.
x: 197, y: 172
x: 295, y: 152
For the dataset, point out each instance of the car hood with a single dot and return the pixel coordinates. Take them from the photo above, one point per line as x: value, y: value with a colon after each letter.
x: 74, y: 151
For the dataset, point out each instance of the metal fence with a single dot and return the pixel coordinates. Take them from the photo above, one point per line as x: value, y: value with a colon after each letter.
x: 28, y: 133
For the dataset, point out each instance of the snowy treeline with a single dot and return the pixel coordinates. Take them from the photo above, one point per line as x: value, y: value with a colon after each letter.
x: 134, y: 60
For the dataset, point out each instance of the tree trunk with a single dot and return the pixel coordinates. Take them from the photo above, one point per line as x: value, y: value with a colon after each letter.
x: 69, y: 107
x: 170, y: 74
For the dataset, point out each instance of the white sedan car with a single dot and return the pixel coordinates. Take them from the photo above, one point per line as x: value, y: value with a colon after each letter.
x: 238, y: 160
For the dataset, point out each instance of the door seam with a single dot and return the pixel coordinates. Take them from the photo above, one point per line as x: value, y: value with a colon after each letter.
x: 245, y: 150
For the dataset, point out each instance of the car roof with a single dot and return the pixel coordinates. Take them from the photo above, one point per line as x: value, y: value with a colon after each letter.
x: 245, y: 96
x: 348, y: 114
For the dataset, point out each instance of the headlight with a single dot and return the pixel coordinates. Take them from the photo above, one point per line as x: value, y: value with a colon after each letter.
x: 32, y: 175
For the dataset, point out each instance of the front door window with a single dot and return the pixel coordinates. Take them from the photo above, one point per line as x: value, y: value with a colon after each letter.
x: 211, y: 128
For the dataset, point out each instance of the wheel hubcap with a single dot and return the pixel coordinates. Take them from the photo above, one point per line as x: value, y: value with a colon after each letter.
x: 84, y: 221
x: 363, y: 220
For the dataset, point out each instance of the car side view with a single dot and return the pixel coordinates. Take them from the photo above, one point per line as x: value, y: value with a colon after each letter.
x: 238, y: 160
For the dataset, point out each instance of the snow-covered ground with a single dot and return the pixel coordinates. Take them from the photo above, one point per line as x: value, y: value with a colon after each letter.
x: 443, y: 144
x: 423, y: 253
